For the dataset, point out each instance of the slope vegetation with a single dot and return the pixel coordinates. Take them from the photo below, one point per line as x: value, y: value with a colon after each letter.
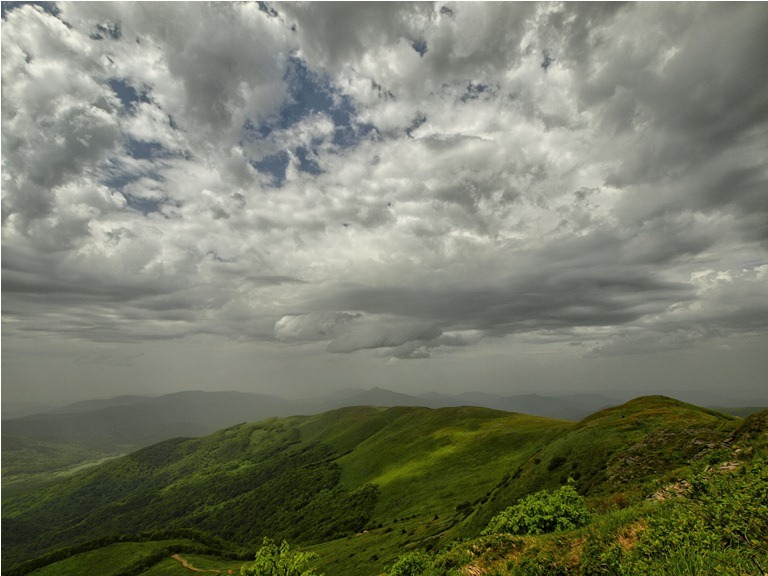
x: 361, y: 485
x: 613, y: 454
x: 308, y: 479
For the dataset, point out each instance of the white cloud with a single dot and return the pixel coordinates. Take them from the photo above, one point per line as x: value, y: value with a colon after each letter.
x: 312, y: 326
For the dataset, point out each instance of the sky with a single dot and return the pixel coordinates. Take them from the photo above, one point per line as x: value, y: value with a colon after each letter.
x: 292, y: 198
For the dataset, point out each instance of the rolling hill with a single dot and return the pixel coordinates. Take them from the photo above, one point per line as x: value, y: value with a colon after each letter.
x: 311, y: 478
x: 360, y: 485
x: 58, y: 442
x: 615, y: 452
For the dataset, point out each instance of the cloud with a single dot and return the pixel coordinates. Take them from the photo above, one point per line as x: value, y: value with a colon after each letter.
x: 312, y: 326
x: 383, y: 332
x: 401, y: 178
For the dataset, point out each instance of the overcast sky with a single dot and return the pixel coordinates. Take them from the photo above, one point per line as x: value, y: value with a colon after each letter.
x: 290, y: 198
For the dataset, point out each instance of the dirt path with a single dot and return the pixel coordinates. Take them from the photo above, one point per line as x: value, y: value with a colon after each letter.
x: 189, y: 566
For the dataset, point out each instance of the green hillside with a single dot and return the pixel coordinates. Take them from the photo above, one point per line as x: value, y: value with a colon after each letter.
x: 28, y: 462
x: 307, y: 479
x: 613, y: 454
x: 360, y: 486
x: 38, y: 448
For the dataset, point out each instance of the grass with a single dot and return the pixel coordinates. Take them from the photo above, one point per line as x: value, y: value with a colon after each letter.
x: 435, y: 459
x: 441, y: 475
x: 444, y: 457
x: 110, y: 560
x: 172, y: 567
x: 615, y: 453
x: 29, y: 463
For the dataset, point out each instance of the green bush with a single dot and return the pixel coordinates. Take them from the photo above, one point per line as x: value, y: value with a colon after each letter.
x: 412, y: 564
x: 543, y: 512
x: 272, y: 560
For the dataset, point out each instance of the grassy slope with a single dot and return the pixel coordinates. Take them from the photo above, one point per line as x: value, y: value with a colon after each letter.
x: 107, y: 561
x: 30, y: 462
x: 436, y: 459
x: 614, y: 453
x: 711, y: 520
x: 426, y: 464
x: 276, y: 478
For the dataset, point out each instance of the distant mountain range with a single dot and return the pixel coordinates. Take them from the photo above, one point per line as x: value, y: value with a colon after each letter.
x: 129, y: 422
x: 86, y: 431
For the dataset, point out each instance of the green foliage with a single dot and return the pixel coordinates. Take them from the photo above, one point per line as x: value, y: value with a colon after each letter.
x: 29, y: 456
x: 603, y: 553
x: 719, y: 527
x: 109, y: 558
x: 239, y: 484
x: 413, y: 564
x: 616, y: 450
x: 542, y: 512
x: 436, y: 459
x: 542, y: 563
x: 272, y: 560
x: 305, y: 479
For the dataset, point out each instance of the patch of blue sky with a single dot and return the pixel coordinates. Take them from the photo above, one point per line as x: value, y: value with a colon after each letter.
x: 474, y: 91
x: 119, y: 174
x: 276, y: 165
x: 141, y: 150
x: 308, y: 93
x: 307, y: 163
x: 420, y: 46
x: 127, y: 94
x: 117, y: 177
x: 141, y: 204
x: 119, y: 180
x: 49, y: 7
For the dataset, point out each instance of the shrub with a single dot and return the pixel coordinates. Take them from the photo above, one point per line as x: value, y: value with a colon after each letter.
x: 272, y: 560
x: 412, y: 564
x: 563, y: 509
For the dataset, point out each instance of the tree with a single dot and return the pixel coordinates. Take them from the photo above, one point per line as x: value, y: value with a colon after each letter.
x: 272, y: 560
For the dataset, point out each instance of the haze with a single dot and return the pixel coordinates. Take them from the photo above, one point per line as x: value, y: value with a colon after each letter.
x: 292, y: 198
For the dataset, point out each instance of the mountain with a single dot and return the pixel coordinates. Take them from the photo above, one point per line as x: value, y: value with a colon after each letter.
x: 311, y: 478
x: 85, y: 431
x: 570, y: 407
x: 134, y: 421
x: 62, y: 440
x: 39, y: 446
x: 11, y: 409
x: 373, y: 397
x: 360, y: 485
x: 142, y: 420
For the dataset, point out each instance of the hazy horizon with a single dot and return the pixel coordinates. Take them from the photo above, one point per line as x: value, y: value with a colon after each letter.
x: 571, y: 405
x: 295, y: 198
